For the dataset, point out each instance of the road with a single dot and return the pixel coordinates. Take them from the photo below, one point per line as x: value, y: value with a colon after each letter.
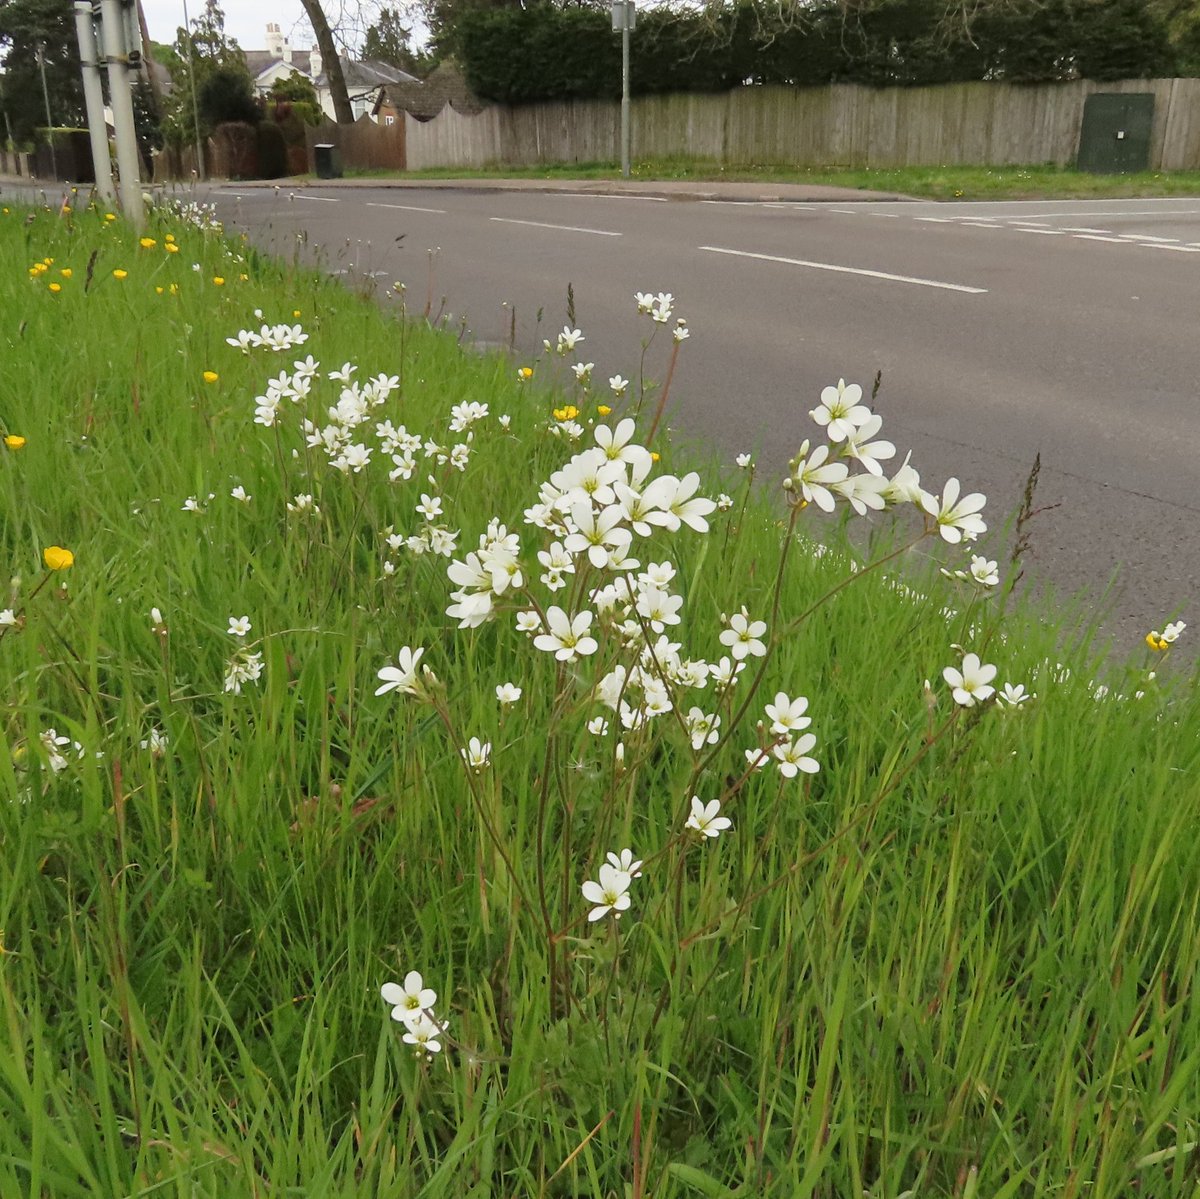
x: 1003, y: 330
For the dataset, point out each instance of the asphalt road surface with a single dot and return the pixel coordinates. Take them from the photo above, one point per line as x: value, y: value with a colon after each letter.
x: 1003, y: 330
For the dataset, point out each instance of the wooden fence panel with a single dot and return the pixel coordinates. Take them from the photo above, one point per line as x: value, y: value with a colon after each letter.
x: 962, y: 124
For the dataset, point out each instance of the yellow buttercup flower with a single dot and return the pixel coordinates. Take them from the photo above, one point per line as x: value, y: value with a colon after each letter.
x: 108, y: 216
x: 525, y: 374
x: 66, y: 272
x: 159, y: 290
x: 295, y: 313
x: 603, y: 409
x: 55, y: 287
x: 1157, y: 642
x: 654, y: 455
x: 147, y: 243
x: 120, y: 274
x: 14, y: 442
x: 172, y: 248
x: 570, y: 412
x: 218, y: 281
x: 211, y: 376
x: 57, y: 558
x: 169, y: 237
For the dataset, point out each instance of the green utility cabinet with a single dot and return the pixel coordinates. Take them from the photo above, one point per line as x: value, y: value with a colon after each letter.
x: 1115, y: 137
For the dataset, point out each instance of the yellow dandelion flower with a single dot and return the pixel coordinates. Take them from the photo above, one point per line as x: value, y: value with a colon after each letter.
x: 14, y: 442
x: 603, y: 409
x: 147, y: 243
x: 218, y: 281
x: 57, y: 558
x: 120, y: 274
x: 56, y: 288
x: 211, y: 376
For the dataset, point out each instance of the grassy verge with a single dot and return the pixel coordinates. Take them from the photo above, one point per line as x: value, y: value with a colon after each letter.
x: 934, y: 182
x: 956, y: 959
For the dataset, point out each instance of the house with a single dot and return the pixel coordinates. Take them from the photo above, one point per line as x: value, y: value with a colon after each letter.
x: 424, y: 100
x: 365, y: 80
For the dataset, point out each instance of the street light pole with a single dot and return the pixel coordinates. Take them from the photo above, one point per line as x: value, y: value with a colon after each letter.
x: 93, y: 96
x: 624, y: 17
x: 116, y: 51
x: 41, y: 60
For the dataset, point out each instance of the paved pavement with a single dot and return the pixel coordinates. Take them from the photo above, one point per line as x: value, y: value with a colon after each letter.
x: 1002, y: 330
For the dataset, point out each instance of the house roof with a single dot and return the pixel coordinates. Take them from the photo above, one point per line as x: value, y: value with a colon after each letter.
x: 369, y: 74
x: 424, y: 100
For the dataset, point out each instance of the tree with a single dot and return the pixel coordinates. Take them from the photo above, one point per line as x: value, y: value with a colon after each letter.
x: 198, y: 52
x: 227, y: 94
x: 331, y: 62
x: 26, y: 26
x: 389, y: 40
x: 296, y: 88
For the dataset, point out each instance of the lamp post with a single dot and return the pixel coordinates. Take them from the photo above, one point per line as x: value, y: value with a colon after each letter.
x: 624, y: 17
x: 93, y: 95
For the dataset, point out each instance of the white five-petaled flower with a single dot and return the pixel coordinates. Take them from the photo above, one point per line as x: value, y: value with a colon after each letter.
x: 812, y: 476
x: 508, y: 693
x: 626, y: 862
x: 410, y: 1001
x: 7, y: 617
x: 706, y: 819
x: 403, y: 676
x: 568, y: 339
x: 743, y: 460
x: 793, y: 758
x: 239, y: 494
x: 787, y: 715
x: 618, y: 385
x: 477, y: 754
x: 609, y: 894
x: 566, y: 636
x: 425, y: 1034
x: 956, y: 518
x: 430, y: 507
x: 840, y: 411
x: 742, y: 637
x: 239, y: 626
x: 1014, y: 695
x: 972, y: 684
x: 983, y: 571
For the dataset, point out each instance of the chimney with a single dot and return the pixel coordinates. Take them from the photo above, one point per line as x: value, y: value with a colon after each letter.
x: 287, y: 52
x: 274, y: 40
x: 314, y: 62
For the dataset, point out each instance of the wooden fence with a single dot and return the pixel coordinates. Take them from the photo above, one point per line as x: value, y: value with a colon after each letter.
x: 969, y: 124
x: 363, y: 146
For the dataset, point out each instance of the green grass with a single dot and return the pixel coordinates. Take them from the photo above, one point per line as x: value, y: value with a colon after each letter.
x: 957, y: 961
x: 931, y: 182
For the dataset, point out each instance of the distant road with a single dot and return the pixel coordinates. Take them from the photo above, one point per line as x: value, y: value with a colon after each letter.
x: 1002, y: 330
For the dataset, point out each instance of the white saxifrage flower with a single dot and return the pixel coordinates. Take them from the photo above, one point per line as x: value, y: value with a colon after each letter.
x: 742, y: 637
x: 787, y: 715
x: 971, y: 684
x: 793, y: 758
x: 410, y: 1001
x: 425, y: 1034
x: 508, y: 693
x: 956, y: 518
x: 239, y: 626
x: 566, y: 636
x: 625, y: 861
x: 1013, y: 695
x: 477, y: 754
x: 402, y: 677
x: 840, y: 412
x: 609, y: 894
x: 812, y: 476
x: 706, y: 819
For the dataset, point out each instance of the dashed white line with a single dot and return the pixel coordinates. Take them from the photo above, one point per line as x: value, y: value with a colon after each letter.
x: 849, y: 270
x: 1083, y: 229
x: 504, y: 220
x: 1147, y: 237
x: 938, y: 220
x: 407, y: 207
x: 1046, y: 232
x: 1030, y: 224
x: 980, y: 225
x: 1117, y: 241
x: 887, y: 216
x: 319, y: 199
x: 1177, y: 249
x: 844, y: 211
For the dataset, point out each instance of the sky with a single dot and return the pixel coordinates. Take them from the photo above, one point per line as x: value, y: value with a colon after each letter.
x: 245, y: 20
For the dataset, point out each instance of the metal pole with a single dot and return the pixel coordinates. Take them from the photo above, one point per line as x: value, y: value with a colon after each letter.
x: 93, y: 96
x: 187, y: 29
x: 625, y: 26
x: 41, y: 58
x: 113, y: 26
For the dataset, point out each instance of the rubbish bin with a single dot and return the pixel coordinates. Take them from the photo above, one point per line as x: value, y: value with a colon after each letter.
x: 326, y: 161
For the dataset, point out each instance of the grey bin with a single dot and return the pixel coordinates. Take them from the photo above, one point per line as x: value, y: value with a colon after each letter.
x: 326, y: 160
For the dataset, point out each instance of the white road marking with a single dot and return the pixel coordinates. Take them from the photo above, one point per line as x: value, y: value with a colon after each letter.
x: 504, y: 220
x: 407, y: 207
x: 1032, y: 224
x: 1177, y: 249
x: 1083, y: 229
x: 939, y: 220
x: 610, y: 196
x: 1147, y: 237
x: 980, y: 225
x: 1117, y: 241
x: 321, y: 199
x: 848, y: 270
x: 891, y: 216
x: 845, y: 211
x: 1118, y: 212
x: 1047, y: 232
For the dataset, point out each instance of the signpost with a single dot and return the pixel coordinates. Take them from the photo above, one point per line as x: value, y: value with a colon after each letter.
x: 624, y: 17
